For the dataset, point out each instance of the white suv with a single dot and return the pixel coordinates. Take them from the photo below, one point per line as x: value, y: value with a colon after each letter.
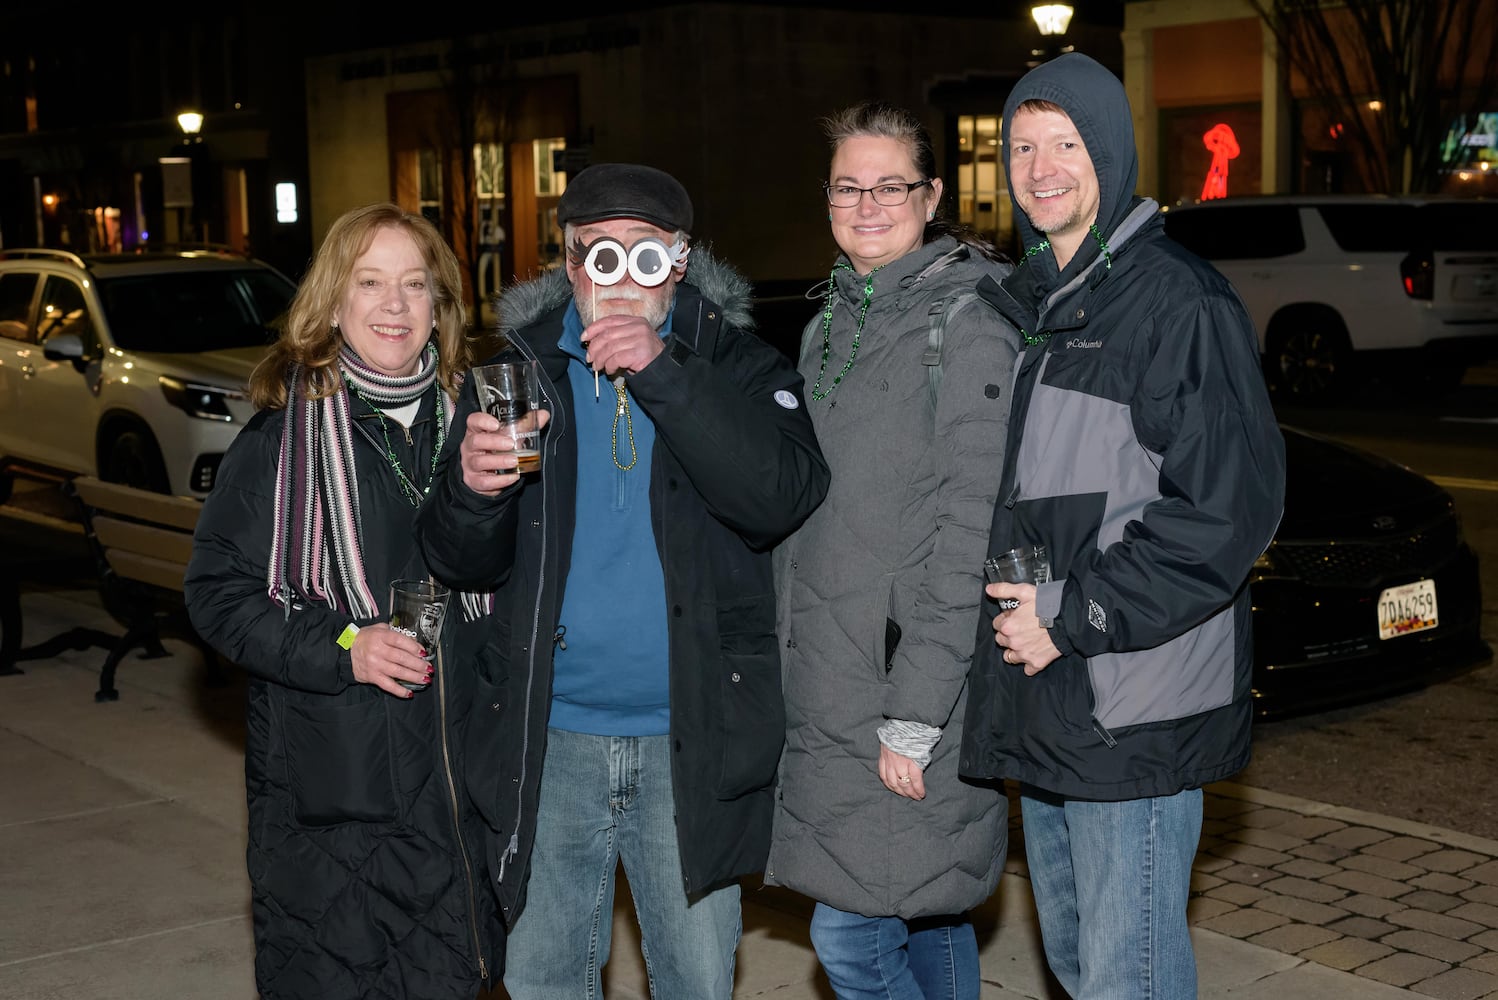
x: 130, y: 367
x: 1338, y: 282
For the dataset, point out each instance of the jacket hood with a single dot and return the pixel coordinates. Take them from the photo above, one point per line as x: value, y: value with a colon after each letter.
x: 521, y: 305
x: 1095, y: 101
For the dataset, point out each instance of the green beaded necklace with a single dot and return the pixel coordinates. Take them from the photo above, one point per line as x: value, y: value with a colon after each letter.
x: 1031, y: 339
x: 817, y: 392
x: 409, y: 489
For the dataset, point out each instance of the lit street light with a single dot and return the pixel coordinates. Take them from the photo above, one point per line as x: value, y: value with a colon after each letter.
x: 1052, y: 20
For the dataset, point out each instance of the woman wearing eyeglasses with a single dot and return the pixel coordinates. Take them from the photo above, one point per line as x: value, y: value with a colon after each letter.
x: 879, y: 591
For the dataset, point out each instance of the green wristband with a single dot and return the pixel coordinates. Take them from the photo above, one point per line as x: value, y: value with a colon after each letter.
x: 346, y: 638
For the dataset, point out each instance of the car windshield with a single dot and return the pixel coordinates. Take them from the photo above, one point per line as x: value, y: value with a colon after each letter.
x: 192, y: 311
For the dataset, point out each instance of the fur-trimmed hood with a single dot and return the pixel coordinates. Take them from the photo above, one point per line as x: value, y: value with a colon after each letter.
x: 521, y: 305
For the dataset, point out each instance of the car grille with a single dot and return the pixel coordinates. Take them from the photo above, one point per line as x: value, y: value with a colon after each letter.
x: 1365, y: 562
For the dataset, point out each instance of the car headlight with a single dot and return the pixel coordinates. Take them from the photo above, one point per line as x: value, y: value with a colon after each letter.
x: 207, y: 402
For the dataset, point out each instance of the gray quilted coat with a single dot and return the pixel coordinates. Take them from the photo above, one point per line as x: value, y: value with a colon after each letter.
x: 901, y: 536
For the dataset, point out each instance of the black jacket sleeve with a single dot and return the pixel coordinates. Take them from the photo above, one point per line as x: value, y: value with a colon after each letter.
x: 467, y: 540
x: 225, y: 587
x: 737, y: 422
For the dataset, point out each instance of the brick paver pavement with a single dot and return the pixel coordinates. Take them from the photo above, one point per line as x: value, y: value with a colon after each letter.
x: 1389, y: 900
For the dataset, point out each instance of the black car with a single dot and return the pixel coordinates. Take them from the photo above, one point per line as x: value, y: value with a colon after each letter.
x: 1368, y: 587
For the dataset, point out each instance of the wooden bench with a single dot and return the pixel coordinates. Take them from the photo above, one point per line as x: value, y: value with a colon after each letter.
x: 141, y: 543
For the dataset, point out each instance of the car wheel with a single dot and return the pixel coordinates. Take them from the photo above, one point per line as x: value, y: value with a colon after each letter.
x: 134, y: 460
x: 1310, y: 361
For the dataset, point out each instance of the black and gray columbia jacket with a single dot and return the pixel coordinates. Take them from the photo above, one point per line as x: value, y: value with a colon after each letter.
x: 1144, y: 454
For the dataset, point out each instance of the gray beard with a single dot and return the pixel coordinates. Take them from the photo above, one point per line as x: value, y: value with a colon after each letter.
x: 655, y: 313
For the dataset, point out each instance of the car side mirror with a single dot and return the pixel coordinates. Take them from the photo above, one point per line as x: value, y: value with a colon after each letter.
x: 65, y: 347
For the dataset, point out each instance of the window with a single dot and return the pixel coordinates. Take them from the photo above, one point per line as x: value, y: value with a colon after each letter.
x: 1237, y: 232
x: 489, y: 170
x: 489, y: 185
x: 195, y: 311
x: 429, y: 186
x: 16, y: 291
x: 1464, y: 225
x: 1371, y: 228
x: 982, y: 193
x: 550, y: 183
x: 64, y: 310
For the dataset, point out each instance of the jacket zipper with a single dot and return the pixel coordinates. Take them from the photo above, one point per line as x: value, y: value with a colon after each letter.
x: 511, y: 849
x: 658, y: 473
x: 452, y: 800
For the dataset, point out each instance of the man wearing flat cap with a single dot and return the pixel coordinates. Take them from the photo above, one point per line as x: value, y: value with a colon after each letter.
x: 631, y: 691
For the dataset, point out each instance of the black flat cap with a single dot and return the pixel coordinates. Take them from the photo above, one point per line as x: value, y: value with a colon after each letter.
x: 625, y: 191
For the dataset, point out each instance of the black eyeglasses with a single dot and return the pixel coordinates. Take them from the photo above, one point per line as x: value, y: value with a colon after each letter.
x: 889, y: 194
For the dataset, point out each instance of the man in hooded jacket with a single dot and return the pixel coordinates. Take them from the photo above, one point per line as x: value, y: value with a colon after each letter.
x: 1144, y: 455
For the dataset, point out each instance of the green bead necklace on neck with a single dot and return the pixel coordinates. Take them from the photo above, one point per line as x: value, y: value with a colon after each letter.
x: 409, y: 489
x: 1031, y: 339
x: 817, y: 392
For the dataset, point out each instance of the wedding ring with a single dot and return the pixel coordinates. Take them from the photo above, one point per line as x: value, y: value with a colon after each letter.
x: 904, y: 777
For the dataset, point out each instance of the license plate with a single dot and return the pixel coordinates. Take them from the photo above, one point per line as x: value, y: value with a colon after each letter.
x: 1406, y: 609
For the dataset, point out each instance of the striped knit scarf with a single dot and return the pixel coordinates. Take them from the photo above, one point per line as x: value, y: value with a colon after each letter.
x: 315, y: 547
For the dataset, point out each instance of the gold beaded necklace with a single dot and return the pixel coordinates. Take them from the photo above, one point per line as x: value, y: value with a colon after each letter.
x: 629, y: 428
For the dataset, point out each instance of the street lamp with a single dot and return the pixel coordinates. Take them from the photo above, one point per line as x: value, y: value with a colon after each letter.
x: 1052, y: 20
x: 177, y: 179
x: 191, y: 123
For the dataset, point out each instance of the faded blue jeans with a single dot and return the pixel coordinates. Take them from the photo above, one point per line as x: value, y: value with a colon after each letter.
x: 1111, y: 881
x: 887, y: 958
x: 604, y: 798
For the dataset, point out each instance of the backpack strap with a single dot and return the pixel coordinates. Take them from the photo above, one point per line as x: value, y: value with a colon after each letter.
x: 936, y: 318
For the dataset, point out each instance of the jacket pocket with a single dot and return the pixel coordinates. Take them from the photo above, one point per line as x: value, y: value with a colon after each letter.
x: 339, y: 763
x: 753, y: 710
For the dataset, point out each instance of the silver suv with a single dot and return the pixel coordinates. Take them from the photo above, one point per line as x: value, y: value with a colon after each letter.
x: 130, y: 367
x: 1337, y: 283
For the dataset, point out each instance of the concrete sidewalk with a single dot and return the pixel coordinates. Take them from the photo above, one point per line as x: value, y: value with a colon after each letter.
x: 122, y: 827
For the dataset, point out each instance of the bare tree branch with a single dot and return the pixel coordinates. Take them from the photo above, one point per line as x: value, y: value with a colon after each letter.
x: 1426, y: 64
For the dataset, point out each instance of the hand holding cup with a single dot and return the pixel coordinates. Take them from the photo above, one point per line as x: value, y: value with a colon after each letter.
x: 502, y: 439
x: 1025, y: 564
x: 417, y: 610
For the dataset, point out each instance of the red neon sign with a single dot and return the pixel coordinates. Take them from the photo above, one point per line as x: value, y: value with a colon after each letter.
x: 1223, y: 146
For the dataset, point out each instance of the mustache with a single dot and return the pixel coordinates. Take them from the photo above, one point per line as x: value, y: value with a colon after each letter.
x: 630, y: 294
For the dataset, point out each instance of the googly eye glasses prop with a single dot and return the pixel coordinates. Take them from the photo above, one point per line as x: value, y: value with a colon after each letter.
x: 649, y: 261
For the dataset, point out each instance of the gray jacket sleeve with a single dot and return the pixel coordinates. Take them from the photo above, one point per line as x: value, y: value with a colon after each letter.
x: 930, y: 665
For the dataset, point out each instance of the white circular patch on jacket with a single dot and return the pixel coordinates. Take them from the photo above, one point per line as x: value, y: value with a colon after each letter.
x: 786, y: 398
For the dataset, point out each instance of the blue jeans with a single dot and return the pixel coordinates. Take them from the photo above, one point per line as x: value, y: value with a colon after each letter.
x: 1111, y: 881
x: 886, y: 958
x: 604, y: 798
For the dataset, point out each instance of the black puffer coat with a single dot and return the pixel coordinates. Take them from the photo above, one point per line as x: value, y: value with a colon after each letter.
x: 363, y: 845
x: 734, y: 469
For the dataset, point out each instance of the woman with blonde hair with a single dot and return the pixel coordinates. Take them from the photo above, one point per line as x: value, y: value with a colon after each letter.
x: 361, y: 848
